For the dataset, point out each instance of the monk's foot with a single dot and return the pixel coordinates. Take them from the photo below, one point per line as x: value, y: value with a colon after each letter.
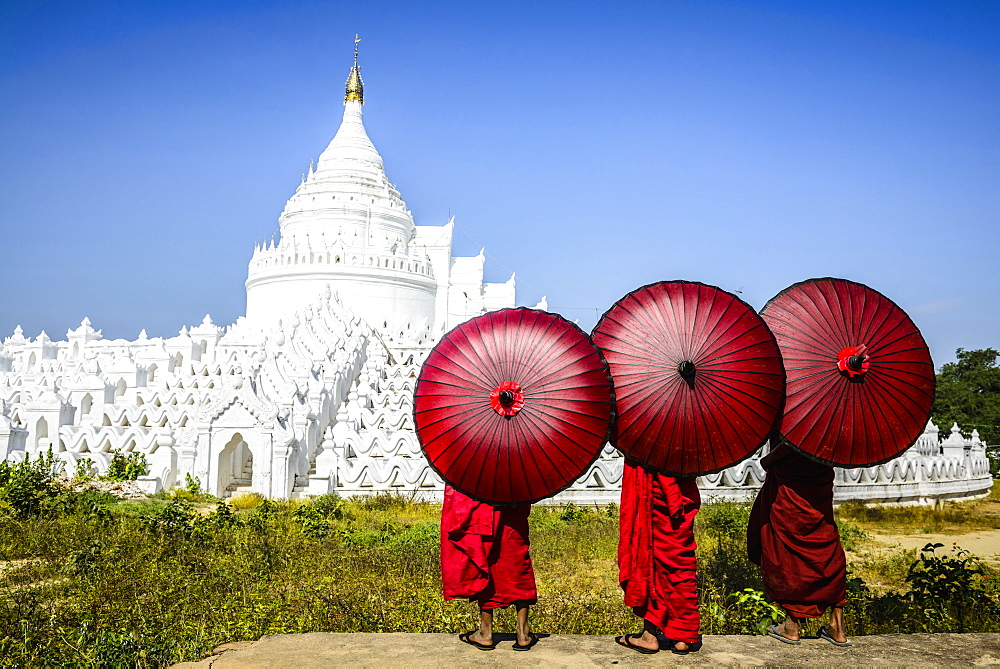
x: 681, y: 647
x: 789, y: 631
x: 645, y: 641
x: 480, y: 638
x: 835, y: 633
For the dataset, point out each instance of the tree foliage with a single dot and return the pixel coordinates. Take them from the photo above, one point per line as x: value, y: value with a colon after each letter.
x: 968, y: 393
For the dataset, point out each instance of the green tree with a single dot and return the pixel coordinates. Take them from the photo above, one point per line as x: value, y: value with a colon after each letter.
x: 968, y: 393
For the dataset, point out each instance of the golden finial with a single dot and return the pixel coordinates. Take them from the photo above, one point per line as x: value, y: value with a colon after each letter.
x: 355, y: 86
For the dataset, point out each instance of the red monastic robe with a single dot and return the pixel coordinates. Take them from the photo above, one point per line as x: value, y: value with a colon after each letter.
x: 485, y: 552
x: 656, y: 550
x: 793, y: 538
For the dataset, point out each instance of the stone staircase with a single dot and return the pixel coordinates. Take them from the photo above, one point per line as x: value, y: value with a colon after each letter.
x: 242, y: 485
x: 302, y: 483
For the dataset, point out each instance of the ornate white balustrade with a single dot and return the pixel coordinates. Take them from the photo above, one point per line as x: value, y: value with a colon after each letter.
x: 378, y: 452
x: 932, y: 469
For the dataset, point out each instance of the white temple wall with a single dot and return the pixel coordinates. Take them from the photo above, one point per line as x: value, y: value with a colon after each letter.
x: 373, y: 297
x: 436, y: 243
x: 498, y: 295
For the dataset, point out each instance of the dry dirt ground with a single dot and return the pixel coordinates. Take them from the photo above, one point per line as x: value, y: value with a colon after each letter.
x: 983, y: 543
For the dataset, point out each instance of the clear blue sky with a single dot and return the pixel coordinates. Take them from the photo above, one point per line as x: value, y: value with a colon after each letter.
x: 592, y: 147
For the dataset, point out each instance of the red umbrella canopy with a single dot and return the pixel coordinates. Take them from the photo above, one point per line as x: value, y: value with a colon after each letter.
x: 860, y: 377
x: 697, y: 376
x: 513, y: 406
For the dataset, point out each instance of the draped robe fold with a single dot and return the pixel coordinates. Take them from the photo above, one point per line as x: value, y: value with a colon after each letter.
x: 656, y: 550
x: 485, y: 553
x: 793, y: 538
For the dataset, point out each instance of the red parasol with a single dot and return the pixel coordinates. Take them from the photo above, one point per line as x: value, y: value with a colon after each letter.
x: 697, y: 375
x: 513, y: 406
x: 860, y: 377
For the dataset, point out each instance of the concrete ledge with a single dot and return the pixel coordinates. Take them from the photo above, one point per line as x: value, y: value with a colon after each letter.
x: 564, y: 650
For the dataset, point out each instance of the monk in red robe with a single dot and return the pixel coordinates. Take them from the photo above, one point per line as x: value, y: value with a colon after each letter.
x: 485, y: 558
x: 656, y: 558
x: 794, y: 541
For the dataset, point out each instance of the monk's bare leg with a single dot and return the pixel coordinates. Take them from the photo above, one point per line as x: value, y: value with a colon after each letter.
x: 484, y: 634
x: 789, y: 628
x: 523, y: 631
x: 835, y: 628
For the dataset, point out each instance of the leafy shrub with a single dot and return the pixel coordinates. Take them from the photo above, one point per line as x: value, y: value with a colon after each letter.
x: 329, y: 506
x: 754, y: 612
x: 223, y: 517
x: 84, y: 468
x: 25, y: 486
x: 190, y: 493
x: 192, y: 484
x: 571, y: 513
x: 89, y: 504
x: 314, y: 523
x: 126, y: 466
x: 944, y: 587
x: 174, y: 517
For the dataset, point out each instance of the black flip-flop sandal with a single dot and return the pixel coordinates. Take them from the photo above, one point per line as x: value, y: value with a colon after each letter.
x: 823, y: 634
x: 692, y: 647
x: 465, y: 638
x: 624, y: 641
x: 527, y: 646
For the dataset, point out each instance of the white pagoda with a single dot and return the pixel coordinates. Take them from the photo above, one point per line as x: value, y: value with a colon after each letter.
x: 346, y: 226
x: 310, y: 393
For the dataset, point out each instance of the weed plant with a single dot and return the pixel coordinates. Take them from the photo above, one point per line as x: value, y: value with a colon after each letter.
x: 86, y: 580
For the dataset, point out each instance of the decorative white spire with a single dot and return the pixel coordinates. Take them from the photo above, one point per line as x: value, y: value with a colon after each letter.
x: 351, y: 144
x: 355, y: 86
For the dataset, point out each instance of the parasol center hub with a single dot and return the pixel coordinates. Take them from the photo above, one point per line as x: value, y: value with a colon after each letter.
x: 507, y: 399
x: 687, y: 369
x: 853, y: 361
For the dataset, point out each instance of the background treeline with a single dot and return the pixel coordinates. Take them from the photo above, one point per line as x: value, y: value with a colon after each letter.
x: 88, y: 580
x: 968, y: 393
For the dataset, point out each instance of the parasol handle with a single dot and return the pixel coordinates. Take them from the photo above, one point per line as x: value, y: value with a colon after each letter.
x: 686, y: 369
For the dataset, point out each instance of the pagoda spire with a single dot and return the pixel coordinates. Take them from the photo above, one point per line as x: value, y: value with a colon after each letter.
x: 355, y: 86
